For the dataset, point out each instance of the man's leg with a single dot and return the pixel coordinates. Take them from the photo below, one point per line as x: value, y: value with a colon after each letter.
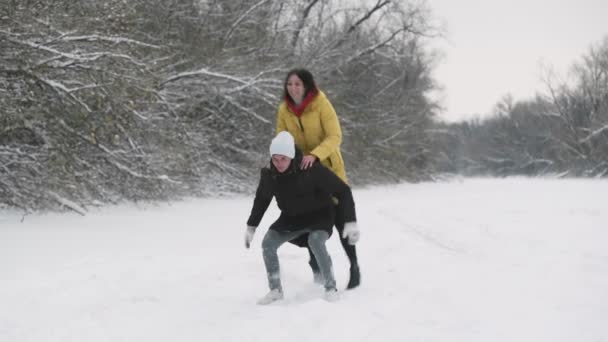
x: 316, y: 273
x: 316, y: 241
x: 270, y: 244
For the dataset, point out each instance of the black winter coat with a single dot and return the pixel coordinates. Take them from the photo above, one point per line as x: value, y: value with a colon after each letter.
x: 303, y: 196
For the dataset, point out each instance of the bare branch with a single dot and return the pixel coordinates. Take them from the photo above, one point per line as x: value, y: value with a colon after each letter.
x: 228, y: 34
x: 60, y: 88
x: 594, y: 134
x: 361, y: 20
x: 374, y: 47
x: 301, y: 23
x: 67, y: 203
x: 110, y: 39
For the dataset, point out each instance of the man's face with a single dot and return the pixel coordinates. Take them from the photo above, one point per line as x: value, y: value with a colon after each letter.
x: 280, y: 162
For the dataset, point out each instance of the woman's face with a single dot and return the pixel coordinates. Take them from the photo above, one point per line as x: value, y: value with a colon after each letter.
x: 295, y: 88
x: 280, y: 162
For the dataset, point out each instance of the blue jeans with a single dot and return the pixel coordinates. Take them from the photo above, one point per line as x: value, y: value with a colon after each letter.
x: 316, y: 240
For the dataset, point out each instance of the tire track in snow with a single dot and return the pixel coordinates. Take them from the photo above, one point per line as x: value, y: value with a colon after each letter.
x: 421, y: 234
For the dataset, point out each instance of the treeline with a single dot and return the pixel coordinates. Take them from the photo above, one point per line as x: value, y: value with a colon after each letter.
x: 564, y: 132
x: 111, y: 100
x: 108, y: 101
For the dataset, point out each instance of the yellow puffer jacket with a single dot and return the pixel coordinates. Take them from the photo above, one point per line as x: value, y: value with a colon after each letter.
x: 317, y: 131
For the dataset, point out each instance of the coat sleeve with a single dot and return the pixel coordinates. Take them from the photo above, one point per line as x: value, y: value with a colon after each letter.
x: 333, y: 133
x: 330, y: 183
x: 281, y: 126
x: 263, y: 197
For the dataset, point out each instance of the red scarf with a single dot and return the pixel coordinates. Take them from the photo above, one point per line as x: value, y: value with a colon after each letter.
x: 299, y: 109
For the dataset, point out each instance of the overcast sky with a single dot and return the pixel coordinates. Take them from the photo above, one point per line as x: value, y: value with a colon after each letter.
x: 497, y: 47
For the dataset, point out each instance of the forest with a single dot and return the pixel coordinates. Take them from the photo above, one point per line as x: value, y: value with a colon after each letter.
x: 109, y: 101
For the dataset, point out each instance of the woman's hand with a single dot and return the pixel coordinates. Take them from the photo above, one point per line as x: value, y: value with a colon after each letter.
x: 307, y: 161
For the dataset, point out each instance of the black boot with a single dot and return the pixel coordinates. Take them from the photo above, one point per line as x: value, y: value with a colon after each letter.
x: 355, y: 277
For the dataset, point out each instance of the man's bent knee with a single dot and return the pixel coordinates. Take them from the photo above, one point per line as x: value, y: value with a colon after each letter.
x: 269, y: 242
x: 317, y: 236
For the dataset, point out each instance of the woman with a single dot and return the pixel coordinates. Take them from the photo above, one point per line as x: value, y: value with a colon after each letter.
x: 305, y: 200
x: 307, y: 114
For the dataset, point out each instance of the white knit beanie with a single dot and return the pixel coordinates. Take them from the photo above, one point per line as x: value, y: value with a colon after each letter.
x: 283, y: 144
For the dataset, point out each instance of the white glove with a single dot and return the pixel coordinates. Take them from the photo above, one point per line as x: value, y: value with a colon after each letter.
x: 351, y: 231
x: 249, y: 235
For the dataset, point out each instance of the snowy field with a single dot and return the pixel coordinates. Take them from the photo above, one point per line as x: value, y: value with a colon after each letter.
x: 466, y: 260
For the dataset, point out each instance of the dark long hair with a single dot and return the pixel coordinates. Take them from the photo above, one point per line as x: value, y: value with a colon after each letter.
x: 307, y: 80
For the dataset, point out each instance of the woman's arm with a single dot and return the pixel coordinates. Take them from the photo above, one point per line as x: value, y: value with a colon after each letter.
x: 333, y: 132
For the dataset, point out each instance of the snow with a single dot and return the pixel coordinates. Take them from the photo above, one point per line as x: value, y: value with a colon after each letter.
x: 462, y: 260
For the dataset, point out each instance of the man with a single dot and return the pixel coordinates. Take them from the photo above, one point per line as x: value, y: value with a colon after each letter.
x: 305, y: 198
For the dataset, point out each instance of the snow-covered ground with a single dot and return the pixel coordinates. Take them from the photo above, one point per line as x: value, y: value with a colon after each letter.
x: 466, y: 260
